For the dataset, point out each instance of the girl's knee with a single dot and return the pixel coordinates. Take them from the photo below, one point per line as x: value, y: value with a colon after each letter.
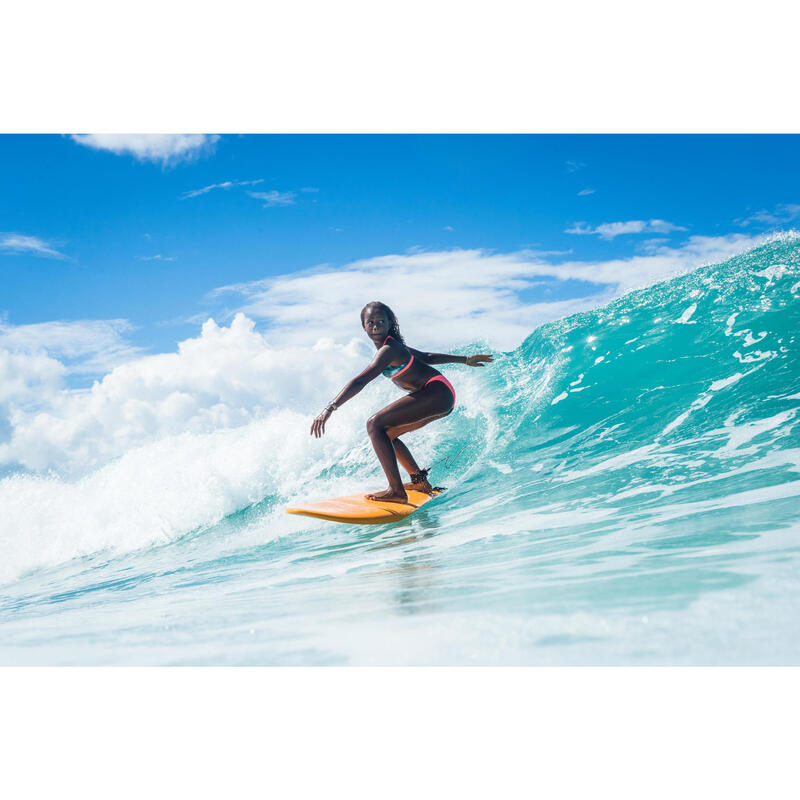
x: 375, y: 424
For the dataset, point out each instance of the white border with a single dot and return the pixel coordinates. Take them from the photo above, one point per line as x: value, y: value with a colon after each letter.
x: 399, y: 732
x: 420, y: 66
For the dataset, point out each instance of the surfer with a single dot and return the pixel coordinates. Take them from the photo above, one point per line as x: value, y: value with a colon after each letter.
x: 430, y: 396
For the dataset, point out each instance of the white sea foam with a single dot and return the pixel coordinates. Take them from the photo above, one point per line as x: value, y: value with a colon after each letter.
x: 158, y: 492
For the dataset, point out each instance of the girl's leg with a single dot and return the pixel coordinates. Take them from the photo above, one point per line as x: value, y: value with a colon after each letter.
x: 410, y: 465
x: 407, y: 460
x: 404, y: 456
x: 408, y: 413
x: 385, y: 452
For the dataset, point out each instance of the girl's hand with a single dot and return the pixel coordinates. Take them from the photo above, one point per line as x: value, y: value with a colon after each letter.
x: 476, y: 360
x: 318, y: 426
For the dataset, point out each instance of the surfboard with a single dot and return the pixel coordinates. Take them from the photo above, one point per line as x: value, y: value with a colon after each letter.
x: 355, y: 508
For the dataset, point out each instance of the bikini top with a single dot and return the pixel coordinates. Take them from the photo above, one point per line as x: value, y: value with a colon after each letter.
x: 393, y: 372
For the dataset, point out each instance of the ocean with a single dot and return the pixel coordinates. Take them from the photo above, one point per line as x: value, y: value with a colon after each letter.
x: 622, y: 488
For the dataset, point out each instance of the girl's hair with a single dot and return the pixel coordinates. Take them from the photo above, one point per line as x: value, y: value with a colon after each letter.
x: 394, y: 328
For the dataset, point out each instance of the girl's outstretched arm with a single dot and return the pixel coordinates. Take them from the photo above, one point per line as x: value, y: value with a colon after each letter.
x: 351, y: 389
x: 443, y: 358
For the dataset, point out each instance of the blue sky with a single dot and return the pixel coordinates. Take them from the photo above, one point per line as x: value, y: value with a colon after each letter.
x: 118, y: 228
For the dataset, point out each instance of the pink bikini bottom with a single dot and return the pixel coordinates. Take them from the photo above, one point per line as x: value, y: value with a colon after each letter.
x: 445, y: 382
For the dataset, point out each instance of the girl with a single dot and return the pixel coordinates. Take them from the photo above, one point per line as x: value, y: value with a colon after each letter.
x: 430, y: 397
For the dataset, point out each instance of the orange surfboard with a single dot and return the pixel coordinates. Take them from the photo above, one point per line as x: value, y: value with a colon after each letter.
x: 355, y: 508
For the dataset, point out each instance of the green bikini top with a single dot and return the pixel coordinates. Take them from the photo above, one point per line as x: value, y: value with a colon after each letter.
x: 393, y: 372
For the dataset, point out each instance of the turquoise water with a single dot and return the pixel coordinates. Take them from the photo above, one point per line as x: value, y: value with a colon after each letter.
x: 627, y: 494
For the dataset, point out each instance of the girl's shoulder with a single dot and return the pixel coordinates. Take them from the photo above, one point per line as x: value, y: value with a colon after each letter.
x: 396, y: 344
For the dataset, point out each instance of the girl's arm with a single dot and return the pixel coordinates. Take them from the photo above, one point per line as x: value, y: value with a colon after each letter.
x: 353, y: 387
x: 437, y: 358
x: 444, y: 358
x: 376, y: 366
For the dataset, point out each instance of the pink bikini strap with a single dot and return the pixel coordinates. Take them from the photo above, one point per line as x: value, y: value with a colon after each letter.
x: 410, y: 362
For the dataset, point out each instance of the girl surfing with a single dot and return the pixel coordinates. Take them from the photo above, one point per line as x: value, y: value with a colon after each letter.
x: 430, y: 396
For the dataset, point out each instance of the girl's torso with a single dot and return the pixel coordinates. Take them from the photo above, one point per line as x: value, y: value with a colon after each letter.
x: 407, y: 372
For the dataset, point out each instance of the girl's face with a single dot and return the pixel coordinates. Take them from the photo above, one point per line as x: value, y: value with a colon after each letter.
x: 376, y: 323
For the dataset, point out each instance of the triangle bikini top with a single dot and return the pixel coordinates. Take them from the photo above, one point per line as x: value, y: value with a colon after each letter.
x: 393, y: 372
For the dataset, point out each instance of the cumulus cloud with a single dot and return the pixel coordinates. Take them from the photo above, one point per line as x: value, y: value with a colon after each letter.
x: 223, y: 185
x: 274, y: 198
x: 782, y: 214
x: 224, y: 378
x: 19, y: 244
x: 167, y: 148
x: 36, y: 361
x: 609, y: 230
x: 26, y: 378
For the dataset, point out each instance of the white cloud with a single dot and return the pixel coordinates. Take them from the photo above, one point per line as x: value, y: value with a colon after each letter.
x: 662, y: 262
x: 782, y: 214
x: 653, y: 245
x: 26, y: 379
x: 274, y: 198
x: 35, y: 361
x: 609, y: 230
x: 88, y: 346
x: 224, y: 378
x: 19, y: 244
x: 448, y: 228
x: 164, y: 147
x: 574, y: 166
x: 223, y: 185
x: 584, y: 192
x: 455, y: 296
x: 271, y: 198
x: 530, y: 251
x: 662, y: 226
x: 157, y: 257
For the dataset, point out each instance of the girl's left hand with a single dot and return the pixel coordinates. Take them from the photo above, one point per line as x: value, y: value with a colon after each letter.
x: 476, y: 360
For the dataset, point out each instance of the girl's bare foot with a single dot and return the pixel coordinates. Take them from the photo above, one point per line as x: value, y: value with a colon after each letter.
x: 388, y: 496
